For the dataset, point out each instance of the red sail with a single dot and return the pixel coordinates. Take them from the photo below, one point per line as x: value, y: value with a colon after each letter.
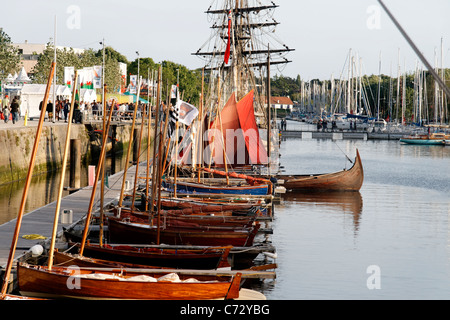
x: 255, y: 147
x: 239, y: 133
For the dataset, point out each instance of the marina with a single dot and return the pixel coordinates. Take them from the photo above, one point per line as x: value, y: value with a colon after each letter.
x: 213, y: 184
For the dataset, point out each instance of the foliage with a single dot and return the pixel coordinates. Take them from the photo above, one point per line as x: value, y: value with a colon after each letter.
x: 9, y: 56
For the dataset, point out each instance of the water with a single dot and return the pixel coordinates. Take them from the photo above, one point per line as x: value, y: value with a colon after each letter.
x: 397, y: 225
x: 44, y: 189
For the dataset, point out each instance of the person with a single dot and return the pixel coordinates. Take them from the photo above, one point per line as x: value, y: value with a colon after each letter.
x: 49, y: 110
x: 66, y: 109
x: 15, y: 110
x: 5, y: 108
x: 58, y: 108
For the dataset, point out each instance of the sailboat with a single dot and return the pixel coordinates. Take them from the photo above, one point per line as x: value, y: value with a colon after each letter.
x: 238, y: 57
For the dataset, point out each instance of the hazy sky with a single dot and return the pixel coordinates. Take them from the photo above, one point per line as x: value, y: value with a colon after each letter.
x: 320, y: 31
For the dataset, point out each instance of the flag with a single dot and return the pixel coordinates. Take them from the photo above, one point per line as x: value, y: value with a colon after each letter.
x: 97, y: 77
x: 88, y: 78
x: 227, y: 52
x: 173, y: 118
x: 174, y: 92
x: 69, y: 73
x: 186, y: 112
x: 133, y: 84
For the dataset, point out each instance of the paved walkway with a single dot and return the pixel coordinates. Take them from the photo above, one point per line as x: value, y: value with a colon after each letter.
x: 30, y: 123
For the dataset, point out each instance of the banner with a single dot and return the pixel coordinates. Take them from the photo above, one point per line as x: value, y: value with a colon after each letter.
x: 133, y: 84
x: 174, y: 92
x: 89, y: 78
x: 69, y: 73
x: 98, y: 77
x: 186, y: 112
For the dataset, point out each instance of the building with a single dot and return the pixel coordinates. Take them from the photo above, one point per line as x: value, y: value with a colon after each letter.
x: 30, y: 53
x: 284, y: 103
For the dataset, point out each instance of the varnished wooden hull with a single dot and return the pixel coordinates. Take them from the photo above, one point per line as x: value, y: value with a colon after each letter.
x: 346, y: 180
x: 63, y: 282
x: 178, y: 259
x: 168, y: 218
x: 192, y: 188
x: 138, y: 233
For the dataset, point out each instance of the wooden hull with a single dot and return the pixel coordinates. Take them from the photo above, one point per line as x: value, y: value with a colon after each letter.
x: 205, y: 205
x: 192, y: 188
x: 138, y: 233
x: 168, y: 218
x: 346, y: 180
x: 63, y: 282
x: 178, y: 259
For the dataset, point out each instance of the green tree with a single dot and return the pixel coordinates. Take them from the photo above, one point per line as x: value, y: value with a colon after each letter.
x: 9, y: 56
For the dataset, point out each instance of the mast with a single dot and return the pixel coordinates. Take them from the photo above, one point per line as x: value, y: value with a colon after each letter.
x: 130, y: 146
x: 20, y: 215
x: 379, y: 88
x: 154, y: 164
x: 94, y: 187
x: 252, y: 27
x: 63, y: 173
x: 269, y: 116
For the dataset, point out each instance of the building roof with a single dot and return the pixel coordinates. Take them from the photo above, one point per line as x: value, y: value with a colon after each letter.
x: 279, y: 100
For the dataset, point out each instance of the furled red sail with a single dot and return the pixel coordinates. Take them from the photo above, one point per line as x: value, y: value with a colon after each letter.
x: 255, y: 147
x: 237, y: 132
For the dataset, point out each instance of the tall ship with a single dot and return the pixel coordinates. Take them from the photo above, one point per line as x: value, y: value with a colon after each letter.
x: 238, y: 56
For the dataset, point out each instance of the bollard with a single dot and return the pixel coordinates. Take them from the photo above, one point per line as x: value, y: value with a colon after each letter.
x: 75, y: 164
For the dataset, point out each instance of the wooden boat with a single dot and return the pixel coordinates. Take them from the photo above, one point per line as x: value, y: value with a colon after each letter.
x: 132, y: 256
x: 110, y: 283
x: 433, y: 139
x: 179, y: 218
x: 207, y: 205
x: 345, y: 180
x: 144, y: 233
x: 193, y: 188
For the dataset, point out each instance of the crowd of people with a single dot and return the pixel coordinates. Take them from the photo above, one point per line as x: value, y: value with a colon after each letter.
x: 90, y: 110
x: 10, y: 109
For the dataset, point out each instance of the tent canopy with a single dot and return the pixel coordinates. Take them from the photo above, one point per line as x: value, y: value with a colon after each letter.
x: 39, y: 89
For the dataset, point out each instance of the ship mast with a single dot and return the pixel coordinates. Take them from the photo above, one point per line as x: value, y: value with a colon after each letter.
x: 249, y: 34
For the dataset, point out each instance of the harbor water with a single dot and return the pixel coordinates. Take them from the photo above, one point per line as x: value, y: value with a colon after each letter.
x: 391, y: 240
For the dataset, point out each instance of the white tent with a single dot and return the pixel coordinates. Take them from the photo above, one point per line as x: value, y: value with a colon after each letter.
x: 22, y: 77
x: 88, y: 95
x: 32, y: 94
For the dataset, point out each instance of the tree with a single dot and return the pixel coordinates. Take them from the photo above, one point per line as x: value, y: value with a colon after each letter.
x: 9, y: 56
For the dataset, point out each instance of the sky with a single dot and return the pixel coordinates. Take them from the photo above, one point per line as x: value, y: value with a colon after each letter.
x: 321, y: 31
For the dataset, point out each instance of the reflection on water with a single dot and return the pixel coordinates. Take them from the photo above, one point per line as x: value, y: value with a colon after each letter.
x: 44, y: 189
x: 339, y: 202
x: 402, y: 226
